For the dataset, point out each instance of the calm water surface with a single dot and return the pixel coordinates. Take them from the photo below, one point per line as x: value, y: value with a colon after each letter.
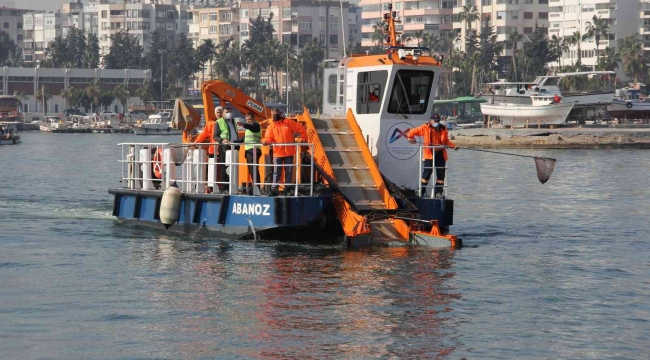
x: 560, y: 270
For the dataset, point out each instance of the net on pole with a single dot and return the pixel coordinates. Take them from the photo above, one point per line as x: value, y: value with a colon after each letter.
x: 178, y: 154
x: 545, y: 168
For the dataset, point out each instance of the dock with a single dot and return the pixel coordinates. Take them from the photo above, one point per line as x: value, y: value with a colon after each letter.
x: 585, y: 137
x: 92, y: 131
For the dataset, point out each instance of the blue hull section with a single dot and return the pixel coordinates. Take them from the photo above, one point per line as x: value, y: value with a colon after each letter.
x: 230, y: 216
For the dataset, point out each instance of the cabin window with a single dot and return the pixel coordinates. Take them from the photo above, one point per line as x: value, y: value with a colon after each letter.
x: 370, y: 91
x: 331, y: 89
x: 411, y: 90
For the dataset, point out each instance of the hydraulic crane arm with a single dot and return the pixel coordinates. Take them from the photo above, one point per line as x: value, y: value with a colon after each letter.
x: 239, y: 100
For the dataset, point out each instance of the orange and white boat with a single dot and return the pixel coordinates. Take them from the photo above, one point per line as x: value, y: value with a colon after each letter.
x: 358, y: 174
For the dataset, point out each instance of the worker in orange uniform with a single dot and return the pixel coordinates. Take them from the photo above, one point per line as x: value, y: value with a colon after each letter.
x: 433, y: 133
x: 282, y: 130
x: 207, y: 135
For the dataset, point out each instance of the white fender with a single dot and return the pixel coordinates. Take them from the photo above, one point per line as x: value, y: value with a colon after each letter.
x: 232, y: 157
x: 170, y: 205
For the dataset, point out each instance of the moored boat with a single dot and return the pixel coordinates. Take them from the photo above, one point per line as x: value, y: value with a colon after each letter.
x: 157, y: 124
x: 628, y: 104
x: 9, y: 133
x: 519, y: 115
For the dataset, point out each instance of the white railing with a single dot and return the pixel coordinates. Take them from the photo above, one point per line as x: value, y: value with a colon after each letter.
x: 154, y: 166
x: 434, y: 176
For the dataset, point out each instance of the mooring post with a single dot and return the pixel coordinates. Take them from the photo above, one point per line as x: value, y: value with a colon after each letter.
x: 539, y: 123
x: 526, y: 123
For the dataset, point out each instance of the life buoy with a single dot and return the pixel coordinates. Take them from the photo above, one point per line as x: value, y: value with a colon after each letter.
x: 157, y: 163
x: 169, y: 129
x: 629, y: 105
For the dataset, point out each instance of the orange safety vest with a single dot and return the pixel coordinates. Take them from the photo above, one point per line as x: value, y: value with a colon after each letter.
x: 206, y: 135
x: 431, y: 137
x: 283, y: 131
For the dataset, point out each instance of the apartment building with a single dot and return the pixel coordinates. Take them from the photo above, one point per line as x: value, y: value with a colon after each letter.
x: 569, y: 16
x: 505, y: 16
x: 216, y: 24
x: 141, y: 19
x: 298, y: 22
x: 354, y: 24
x: 11, y: 22
x: 80, y: 16
x: 430, y: 16
x: 644, y: 23
x: 40, y: 29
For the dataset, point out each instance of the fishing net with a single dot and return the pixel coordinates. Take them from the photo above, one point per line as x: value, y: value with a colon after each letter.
x: 545, y: 168
x: 178, y: 153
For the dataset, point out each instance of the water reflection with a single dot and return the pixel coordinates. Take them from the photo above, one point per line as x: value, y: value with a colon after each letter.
x: 275, y: 300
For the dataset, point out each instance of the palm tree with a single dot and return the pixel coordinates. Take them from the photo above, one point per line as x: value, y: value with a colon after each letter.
x: 144, y: 92
x: 576, y: 39
x: 610, y: 59
x: 67, y: 94
x: 418, y: 35
x: 635, y: 60
x: 94, y: 91
x: 378, y: 33
x: 557, y: 46
x: 513, y: 39
x: 43, y: 96
x: 595, y: 29
x: 122, y: 93
x: 205, y: 53
x: 20, y: 95
x: 469, y: 14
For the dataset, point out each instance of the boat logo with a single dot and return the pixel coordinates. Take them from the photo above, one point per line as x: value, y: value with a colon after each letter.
x: 397, y: 143
x: 251, y: 209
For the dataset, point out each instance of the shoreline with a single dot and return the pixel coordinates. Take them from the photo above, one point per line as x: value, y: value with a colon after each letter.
x: 597, y: 137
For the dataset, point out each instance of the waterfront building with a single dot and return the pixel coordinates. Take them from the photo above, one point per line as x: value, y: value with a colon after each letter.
x: 644, y: 23
x: 40, y: 28
x: 29, y: 80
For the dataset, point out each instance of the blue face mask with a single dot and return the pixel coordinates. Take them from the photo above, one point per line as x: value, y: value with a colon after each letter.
x: 436, y: 125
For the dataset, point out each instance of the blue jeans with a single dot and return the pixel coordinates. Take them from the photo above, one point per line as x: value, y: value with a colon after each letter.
x: 288, y: 170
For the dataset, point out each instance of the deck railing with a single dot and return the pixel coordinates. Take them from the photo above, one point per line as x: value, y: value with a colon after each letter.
x: 155, y: 166
x: 434, y: 176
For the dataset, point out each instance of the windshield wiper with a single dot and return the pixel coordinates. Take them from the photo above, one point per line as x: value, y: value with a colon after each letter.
x: 399, y: 105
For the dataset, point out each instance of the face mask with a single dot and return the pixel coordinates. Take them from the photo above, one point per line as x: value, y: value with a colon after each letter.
x: 436, y: 125
x: 276, y: 117
x: 228, y: 116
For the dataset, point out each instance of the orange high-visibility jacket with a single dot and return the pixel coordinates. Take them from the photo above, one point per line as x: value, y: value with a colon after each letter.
x: 206, y: 135
x: 283, y: 131
x: 431, y: 137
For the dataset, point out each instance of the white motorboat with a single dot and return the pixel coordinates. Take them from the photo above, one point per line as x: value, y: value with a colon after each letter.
x: 54, y: 124
x: 628, y: 105
x: 157, y: 124
x: 9, y: 133
x: 509, y: 114
x: 586, y: 88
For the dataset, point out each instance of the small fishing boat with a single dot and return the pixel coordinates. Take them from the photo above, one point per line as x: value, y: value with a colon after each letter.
x: 54, y: 124
x: 540, y: 113
x: 628, y: 105
x: 157, y: 124
x: 9, y: 133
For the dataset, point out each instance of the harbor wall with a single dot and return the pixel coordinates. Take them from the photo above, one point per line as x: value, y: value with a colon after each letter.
x: 563, y: 138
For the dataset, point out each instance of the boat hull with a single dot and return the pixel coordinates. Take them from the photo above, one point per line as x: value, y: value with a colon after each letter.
x: 553, y: 114
x: 582, y: 100
x: 11, y: 141
x: 629, y: 110
x: 145, y: 131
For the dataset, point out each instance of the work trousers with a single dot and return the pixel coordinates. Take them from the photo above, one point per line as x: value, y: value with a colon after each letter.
x: 288, y: 170
x: 427, y: 167
x: 253, y: 158
x: 221, y: 159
